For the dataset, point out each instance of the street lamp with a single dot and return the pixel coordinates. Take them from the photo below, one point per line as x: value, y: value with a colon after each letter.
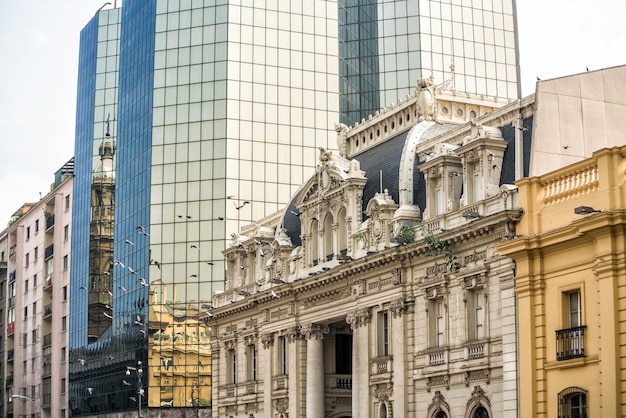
x: 26, y: 398
x: 138, y: 372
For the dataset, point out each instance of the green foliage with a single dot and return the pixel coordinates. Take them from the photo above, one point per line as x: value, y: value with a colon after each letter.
x: 406, y: 234
x: 438, y: 247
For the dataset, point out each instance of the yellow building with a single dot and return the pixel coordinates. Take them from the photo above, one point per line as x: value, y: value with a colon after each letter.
x: 571, y: 289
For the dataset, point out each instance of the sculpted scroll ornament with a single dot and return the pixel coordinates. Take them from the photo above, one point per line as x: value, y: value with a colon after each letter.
x: 397, y: 307
x: 358, y: 318
x: 267, y: 339
x: 312, y: 330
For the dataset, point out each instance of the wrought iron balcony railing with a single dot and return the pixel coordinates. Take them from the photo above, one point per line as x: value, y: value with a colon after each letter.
x: 570, y: 343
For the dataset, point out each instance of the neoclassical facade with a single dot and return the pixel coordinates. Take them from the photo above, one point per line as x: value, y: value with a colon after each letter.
x: 379, y: 292
x: 382, y: 290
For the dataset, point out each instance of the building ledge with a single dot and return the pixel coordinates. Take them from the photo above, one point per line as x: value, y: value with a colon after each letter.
x: 575, y: 362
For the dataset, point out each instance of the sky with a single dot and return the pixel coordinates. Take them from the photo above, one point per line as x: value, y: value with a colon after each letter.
x: 38, y: 74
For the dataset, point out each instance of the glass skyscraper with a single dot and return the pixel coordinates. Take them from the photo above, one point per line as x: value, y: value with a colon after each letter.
x: 197, y: 116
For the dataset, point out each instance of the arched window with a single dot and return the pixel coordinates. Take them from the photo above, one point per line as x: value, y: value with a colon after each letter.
x: 441, y: 414
x: 481, y: 412
x: 342, y: 238
x: 382, y: 410
x: 328, y: 238
x: 314, y: 243
x: 573, y: 403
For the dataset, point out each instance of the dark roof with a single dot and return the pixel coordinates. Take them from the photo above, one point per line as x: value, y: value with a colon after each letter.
x: 385, y: 158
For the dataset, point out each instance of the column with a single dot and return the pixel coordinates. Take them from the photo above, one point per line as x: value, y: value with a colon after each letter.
x: 360, y: 362
x: 314, y: 334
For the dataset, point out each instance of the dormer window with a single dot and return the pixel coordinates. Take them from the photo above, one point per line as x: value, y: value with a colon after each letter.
x: 476, y: 192
x: 439, y: 207
x: 443, y: 175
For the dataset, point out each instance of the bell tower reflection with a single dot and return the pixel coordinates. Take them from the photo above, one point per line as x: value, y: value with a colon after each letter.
x: 101, y: 238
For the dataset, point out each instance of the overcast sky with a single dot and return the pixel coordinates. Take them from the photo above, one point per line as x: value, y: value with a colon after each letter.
x: 38, y: 73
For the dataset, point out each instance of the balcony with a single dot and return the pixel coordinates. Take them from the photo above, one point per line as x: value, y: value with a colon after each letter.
x: 339, y: 382
x: 10, y: 354
x: 381, y: 365
x: 47, y: 365
x: 47, y: 284
x: 49, y: 221
x: 570, y: 343
x: 49, y: 251
x: 436, y: 358
x: 47, y: 311
x: 10, y: 328
x: 476, y: 350
x: 47, y: 340
x: 3, y: 265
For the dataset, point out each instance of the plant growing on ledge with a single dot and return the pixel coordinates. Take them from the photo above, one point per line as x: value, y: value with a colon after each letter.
x: 405, y: 235
x: 438, y: 247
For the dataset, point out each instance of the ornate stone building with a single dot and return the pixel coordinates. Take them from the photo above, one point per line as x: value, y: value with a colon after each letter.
x: 406, y: 311
x: 380, y: 291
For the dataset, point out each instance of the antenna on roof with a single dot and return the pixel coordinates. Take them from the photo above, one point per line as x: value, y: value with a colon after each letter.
x: 108, y: 133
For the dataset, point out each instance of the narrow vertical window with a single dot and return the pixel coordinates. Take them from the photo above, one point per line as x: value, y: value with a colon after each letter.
x: 281, y: 356
x: 570, y: 341
x: 575, y: 311
x: 252, y: 362
x: 440, y: 323
x: 383, y: 334
x: 438, y: 201
x: 479, y: 315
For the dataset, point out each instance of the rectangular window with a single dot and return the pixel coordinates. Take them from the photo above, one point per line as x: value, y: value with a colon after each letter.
x: 281, y: 347
x: 35, y: 281
x: 27, y: 261
x: 64, y: 293
x: 65, y: 263
x: 66, y: 232
x: 25, y: 285
x: 436, y: 323
x: 34, y: 308
x: 570, y: 341
x: 25, y: 312
x: 63, y: 384
x: 64, y: 324
x: 252, y: 359
x: 438, y: 201
x: 343, y: 354
x: 231, y: 358
x: 575, y: 310
x: 36, y: 254
x: 67, y: 202
x: 383, y: 334
x: 34, y: 336
x: 36, y: 225
x: 476, y: 314
x: 24, y: 367
x: 23, y: 338
x: 28, y: 232
x: 440, y: 324
x: 63, y: 354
